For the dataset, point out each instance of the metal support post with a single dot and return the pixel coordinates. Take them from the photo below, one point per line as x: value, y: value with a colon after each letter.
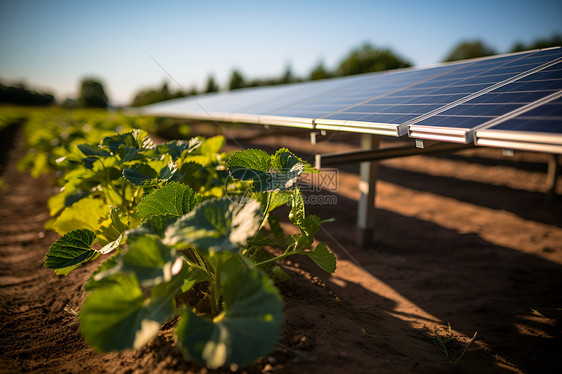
x: 367, y: 188
x: 552, y: 174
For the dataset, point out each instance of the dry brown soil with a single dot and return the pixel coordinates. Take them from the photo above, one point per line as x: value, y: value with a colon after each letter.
x: 463, y: 243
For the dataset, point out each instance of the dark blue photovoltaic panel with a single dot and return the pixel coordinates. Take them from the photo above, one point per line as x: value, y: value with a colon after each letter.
x: 370, y: 86
x: 463, y: 80
x: 298, y: 93
x: 553, y: 125
x: 545, y: 118
x: 537, y: 127
x: 248, y: 101
x: 500, y: 101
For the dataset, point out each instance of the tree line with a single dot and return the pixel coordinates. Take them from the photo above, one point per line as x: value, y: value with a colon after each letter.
x: 365, y: 58
x: 20, y: 94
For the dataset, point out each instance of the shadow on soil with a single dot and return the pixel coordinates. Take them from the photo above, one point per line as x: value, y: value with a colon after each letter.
x: 464, y: 280
x: 529, y: 205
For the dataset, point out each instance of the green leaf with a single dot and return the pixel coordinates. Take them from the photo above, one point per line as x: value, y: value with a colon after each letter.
x: 255, y: 159
x: 127, y: 153
x: 194, y: 276
x: 98, y: 278
x: 311, y: 225
x: 263, y: 182
x: 65, y: 198
x: 151, y: 261
x: 212, y: 145
x: 174, y: 199
x: 260, y: 179
x: 167, y: 172
x: 111, y: 230
x: 323, y: 258
x: 136, y: 139
x: 155, y: 225
x: 87, y: 213
x: 140, y: 175
x: 130, y: 145
x: 74, y: 197
x: 93, y: 150
x: 284, y: 161
x: 175, y: 148
x: 278, y: 198
x: 248, y: 328
x: 217, y: 225
x: 275, y: 226
x: 254, y: 165
x: 117, y: 317
x: 70, y: 250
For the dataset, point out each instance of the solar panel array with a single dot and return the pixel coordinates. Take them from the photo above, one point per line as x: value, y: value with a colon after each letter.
x: 514, y: 96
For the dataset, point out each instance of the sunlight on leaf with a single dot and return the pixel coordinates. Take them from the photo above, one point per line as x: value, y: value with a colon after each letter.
x: 174, y: 199
x: 323, y: 258
x: 217, y: 225
x: 70, y: 250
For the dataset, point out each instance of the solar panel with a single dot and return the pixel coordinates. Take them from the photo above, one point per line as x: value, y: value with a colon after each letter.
x: 528, y: 79
x: 250, y: 104
x: 348, y: 107
x: 447, y: 102
x: 535, y: 127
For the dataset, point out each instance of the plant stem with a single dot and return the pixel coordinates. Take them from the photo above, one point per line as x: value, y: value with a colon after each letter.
x: 465, y: 349
x: 215, y: 297
x: 266, y: 213
x: 199, y: 259
x: 193, y: 264
x: 286, y: 254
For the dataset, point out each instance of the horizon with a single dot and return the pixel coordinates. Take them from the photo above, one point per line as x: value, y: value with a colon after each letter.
x: 134, y: 46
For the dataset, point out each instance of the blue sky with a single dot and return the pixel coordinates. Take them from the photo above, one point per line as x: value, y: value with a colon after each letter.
x: 53, y: 44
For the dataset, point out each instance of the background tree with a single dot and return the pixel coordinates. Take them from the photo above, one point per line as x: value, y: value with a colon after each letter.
x: 469, y: 49
x: 154, y: 95
x: 236, y: 80
x: 92, y: 94
x: 555, y: 40
x: 211, y: 85
x: 367, y: 58
x: 287, y: 76
x: 19, y: 94
x: 319, y: 72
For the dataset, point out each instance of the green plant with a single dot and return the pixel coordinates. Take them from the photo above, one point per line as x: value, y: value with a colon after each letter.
x: 442, y: 343
x: 53, y: 134
x: 185, y: 236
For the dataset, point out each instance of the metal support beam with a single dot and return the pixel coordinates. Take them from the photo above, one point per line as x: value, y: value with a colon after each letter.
x: 552, y: 174
x: 367, y: 188
x: 385, y: 153
x: 368, y: 157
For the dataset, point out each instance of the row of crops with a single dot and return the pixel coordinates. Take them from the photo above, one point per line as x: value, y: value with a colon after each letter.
x: 185, y: 232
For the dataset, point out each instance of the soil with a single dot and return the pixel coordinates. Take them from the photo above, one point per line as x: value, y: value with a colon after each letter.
x: 463, y: 243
